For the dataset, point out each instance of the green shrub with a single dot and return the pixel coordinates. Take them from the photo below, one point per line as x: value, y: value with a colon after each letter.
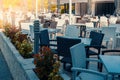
x: 25, y: 49
x: 19, y: 40
x: 47, y: 65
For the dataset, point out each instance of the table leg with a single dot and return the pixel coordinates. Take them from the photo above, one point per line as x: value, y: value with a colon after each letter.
x: 82, y: 31
x: 112, y: 77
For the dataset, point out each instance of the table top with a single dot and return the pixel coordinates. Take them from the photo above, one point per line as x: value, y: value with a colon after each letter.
x: 111, y: 63
x: 79, y: 24
x: 50, y: 30
x: 85, y: 41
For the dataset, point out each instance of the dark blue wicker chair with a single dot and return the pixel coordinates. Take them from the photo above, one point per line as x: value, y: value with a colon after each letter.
x: 44, y: 38
x: 45, y: 41
x: 63, y: 48
x: 96, y: 44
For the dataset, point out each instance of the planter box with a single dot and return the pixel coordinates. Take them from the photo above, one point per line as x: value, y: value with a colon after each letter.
x: 20, y: 68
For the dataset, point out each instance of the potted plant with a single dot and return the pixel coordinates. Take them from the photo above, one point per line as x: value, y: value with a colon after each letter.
x: 19, y: 40
x: 47, y: 65
x: 13, y: 46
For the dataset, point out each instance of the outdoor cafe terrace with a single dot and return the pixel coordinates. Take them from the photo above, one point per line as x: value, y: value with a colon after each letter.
x: 87, y: 35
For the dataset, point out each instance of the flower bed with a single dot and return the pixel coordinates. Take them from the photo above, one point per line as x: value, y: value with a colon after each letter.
x: 15, y: 48
x: 20, y: 68
x: 19, y: 40
x: 47, y: 64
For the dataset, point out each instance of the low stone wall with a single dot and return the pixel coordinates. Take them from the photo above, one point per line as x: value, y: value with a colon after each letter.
x: 20, y: 68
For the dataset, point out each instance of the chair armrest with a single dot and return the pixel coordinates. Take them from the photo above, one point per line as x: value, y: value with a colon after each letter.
x: 37, y: 33
x: 53, y: 45
x: 89, y: 71
x: 95, y: 60
x: 53, y: 40
x: 95, y: 46
x: 106, y: 51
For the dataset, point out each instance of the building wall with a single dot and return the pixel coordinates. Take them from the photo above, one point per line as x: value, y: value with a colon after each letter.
x: 78, y: 6
x: 73, y: 1
x: 95, y: 5
x: 118, y: 7
x: 101, y: 0
x: 103, y: 7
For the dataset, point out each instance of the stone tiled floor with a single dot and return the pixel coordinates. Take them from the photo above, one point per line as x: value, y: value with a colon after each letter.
x: 92, y: 66
x: 4, y: 71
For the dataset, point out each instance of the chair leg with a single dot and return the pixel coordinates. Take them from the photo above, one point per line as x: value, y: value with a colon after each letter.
x: 67, y: 68
x: 64, y: 65
x: 100, y: 67
x: 84, y: 33
x: 107, y: 43
x: 87, y: 63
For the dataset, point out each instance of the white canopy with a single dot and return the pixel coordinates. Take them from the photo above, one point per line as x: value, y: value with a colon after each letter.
x: 73, y: 1
x: 76, y: 1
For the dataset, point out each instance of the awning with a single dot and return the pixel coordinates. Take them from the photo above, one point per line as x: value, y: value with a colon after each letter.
x: 73, y: 1
x: 80, y: 1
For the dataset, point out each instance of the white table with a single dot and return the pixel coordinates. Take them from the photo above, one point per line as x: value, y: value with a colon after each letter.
x: 25, y: 27
x: 52, y: 32
x: 86, y: 41
x: 79, y: 24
